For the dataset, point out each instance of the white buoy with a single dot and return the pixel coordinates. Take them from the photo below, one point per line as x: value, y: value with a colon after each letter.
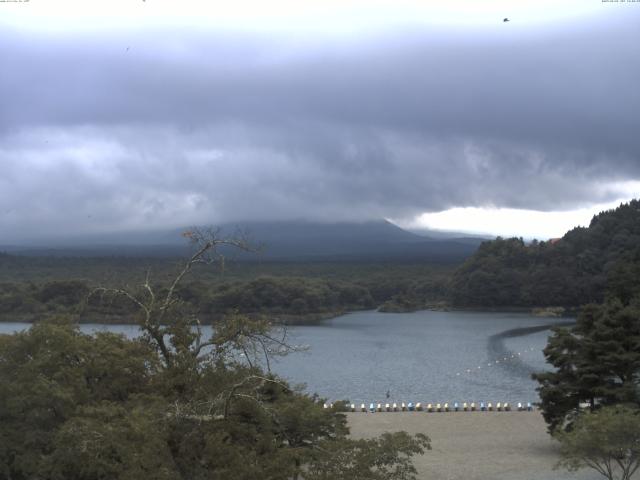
x: 519, y: 406
x: 379, y: 407
x: 473, y: 406
x: 490, y: 406
x: 325, y: 406
x: 387, y: 407
x: 507, y: 407
x: 446, y: 407
x: 456, y: 407
x: 395, y: 407
x: 499, y: 406
x: 429, y: 407
x: 353, y: 407
x: 418, y: 407
x: 403, y: 407
x: 438, y: 407
x: 363, y: 408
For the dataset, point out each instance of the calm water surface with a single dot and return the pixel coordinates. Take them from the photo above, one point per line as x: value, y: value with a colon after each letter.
x: 423, y: 356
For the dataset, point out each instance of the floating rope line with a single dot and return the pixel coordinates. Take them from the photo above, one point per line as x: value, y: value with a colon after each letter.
x: 502, y: 360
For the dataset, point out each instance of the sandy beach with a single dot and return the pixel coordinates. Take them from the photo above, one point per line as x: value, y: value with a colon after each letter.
x: 475, y: 445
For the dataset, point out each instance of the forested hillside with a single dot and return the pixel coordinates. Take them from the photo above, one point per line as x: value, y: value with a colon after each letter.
x: 32, y: 288
x: 582, y: 267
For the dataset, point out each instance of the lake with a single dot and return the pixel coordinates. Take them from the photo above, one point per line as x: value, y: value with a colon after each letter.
x: 417, y: 357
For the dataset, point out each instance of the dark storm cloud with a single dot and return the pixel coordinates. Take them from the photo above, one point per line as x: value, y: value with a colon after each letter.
x: 123, y: 130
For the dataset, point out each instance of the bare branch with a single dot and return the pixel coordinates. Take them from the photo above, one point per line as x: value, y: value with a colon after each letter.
x: 232, y: 392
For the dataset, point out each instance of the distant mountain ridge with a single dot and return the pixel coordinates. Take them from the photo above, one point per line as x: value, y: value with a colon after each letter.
x: 285, y: 240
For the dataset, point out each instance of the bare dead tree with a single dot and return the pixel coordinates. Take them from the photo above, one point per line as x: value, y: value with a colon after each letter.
x: 256, y: 339
x: 237, y: 339
x: 219, y: 406
x: 160, y: 313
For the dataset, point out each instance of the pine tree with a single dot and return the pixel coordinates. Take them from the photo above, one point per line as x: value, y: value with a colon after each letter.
x: 597, y: 362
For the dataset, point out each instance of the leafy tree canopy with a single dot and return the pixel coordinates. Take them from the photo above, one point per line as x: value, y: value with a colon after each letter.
x: 584, y: 266
x: 597, y: 361
x: 172, y: 404
x: 607, y: 441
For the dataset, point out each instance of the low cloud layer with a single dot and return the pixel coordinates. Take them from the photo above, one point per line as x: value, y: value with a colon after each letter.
x: 126, y: 130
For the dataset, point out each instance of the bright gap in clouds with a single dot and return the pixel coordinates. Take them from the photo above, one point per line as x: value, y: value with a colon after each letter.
x: 510, y: 222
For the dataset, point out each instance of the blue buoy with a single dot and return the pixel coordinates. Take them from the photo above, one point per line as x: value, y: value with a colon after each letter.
x: 482, y: 407
x: 411, y: 407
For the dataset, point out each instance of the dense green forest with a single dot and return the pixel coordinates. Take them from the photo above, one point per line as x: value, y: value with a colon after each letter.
x: 172, y: 403
x: 33, y: 287
x: 596, y: 358
x: 582, y: 267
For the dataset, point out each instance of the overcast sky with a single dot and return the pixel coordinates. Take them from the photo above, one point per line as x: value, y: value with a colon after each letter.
x: 149, y: 114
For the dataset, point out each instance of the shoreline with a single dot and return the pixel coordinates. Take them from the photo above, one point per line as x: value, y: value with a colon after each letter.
x: 475, y: 445
x: 316, y: 318
x: 279, y: 319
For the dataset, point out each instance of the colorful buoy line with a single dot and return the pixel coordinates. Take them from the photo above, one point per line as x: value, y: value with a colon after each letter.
x: 437, y: 407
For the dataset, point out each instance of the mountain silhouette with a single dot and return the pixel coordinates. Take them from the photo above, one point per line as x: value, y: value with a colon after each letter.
x: 283, y: 240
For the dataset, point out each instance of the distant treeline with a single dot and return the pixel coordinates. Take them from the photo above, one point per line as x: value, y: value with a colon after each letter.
x: 293, y: 297
x: 582, y: 267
